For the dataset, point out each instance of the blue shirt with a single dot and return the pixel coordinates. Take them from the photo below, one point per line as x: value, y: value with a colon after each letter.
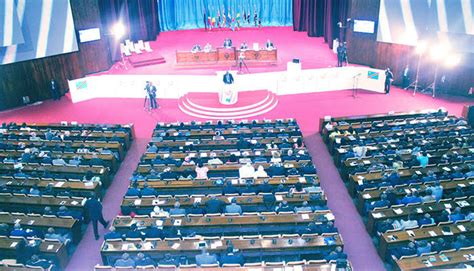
x: 423, y: 161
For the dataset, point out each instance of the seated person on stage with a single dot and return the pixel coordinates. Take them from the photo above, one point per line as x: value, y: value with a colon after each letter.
x: 207, y: 47
x: 227, y: 43
x: 244, y: 46
x: 196, y: 48
x: 269, y: 45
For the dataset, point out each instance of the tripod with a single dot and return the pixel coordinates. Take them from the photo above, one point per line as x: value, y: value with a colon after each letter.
x: 145, y: 107
x: 355, y: 85
x: 242, y: 63
x: 414, y: 84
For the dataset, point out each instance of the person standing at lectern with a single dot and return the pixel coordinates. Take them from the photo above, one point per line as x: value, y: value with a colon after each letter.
x: 228, y: 78
x: 388, y: 80
x: 151, y: 93
x: 54, y: 90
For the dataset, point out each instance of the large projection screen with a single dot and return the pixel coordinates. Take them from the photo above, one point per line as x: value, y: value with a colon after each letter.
x: 31, y: 29
x: 407, y: 21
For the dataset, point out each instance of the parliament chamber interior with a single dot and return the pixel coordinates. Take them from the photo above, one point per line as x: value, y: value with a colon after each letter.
x: 251, y: 135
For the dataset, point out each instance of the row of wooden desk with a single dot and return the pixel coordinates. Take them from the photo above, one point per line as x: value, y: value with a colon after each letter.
x: 42, y: 223
x: 379, y: 117
x: 442, y: 261
x: 112, y: 145
x: 254, y: 249
x: 313, y: 199
x: 10, y: 247
x: 210, y: 186
x: 58, y: 185
x: 36, y: 204
x: 368, y: 196
x: 395, y: 239
x: 124, y: 138
x: 99, y: 171
x: 377, y: 176
x: 433, y: 208
x: 176, y: 132
x: 109, y: 159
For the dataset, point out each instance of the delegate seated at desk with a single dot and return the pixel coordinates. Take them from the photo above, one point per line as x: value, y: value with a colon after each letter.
x: 244, y: 46
x: 269, y: 45
x: 196, y: 48
x: 207, y: 48
x: 227, y: 43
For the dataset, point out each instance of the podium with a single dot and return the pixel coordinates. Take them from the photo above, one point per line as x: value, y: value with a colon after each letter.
x: 228, y: 95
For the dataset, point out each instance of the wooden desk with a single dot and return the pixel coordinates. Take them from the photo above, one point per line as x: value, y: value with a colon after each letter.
x: 375, y: 117
x: 260, y: 56
x: 114, y: 146
x: 78, y: 187
x: 51, y: 250
x: 149, y: 203
x: 224, y: 167
x: 255, y: 248
x: 228, y: 131
x: 374, y: 195
x: 109, y: 159
x: 100, y: 171
x: 418, y: 263
x: 359, y: 179
x: 229, y: 225
x: 172, y: 187
x: 13, y: 202
x: 188, y: 57
x: 43, y: 223
x: 433, y: 208
x: 398, y: 238
x: 77, y: 135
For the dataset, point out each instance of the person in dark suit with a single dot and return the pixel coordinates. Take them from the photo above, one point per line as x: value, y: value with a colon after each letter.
x: 54, y: 90
x: 229, y: 189
x: 112, y: 234
x: 151, y: 93
x: 340, y: 54
x: 227, y: 43
x: 228, y: 78
x: 388, y: 80
x: 93, y: 209
x: 269, y: 45
x: 231, y: 257
x: 214, y: 205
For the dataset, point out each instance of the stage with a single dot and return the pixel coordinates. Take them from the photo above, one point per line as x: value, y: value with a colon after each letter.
x: 312, y: 52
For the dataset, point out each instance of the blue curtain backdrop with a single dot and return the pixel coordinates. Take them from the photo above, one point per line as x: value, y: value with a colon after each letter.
x: 189, y: 14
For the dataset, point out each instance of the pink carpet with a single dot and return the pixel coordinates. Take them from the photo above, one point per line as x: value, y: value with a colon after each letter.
x: 312, y: 52
x: 306, y: 108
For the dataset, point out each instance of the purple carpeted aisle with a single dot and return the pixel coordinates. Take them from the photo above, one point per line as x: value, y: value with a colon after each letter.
x: 306, y: 108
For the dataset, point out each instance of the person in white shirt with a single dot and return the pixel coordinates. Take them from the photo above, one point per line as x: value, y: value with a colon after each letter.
x: 260, y: 173
x: 246, y: 171
x: 214, y: 159
x: 207, y: 47
x: 158, y: 212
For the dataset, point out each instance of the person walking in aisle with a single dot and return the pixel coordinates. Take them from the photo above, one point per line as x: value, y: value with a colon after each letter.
x: 93, y: 209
